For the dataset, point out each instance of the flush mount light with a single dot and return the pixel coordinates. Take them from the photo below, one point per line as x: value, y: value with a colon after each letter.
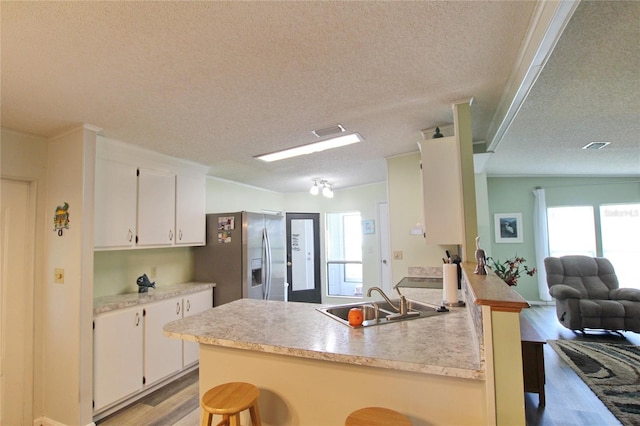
x: 312, y: 147
x: 596, y: 145
x: 324, y: 185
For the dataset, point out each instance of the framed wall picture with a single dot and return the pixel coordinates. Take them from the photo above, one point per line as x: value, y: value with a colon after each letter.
x: 368, y: 227
x: 508, y: 227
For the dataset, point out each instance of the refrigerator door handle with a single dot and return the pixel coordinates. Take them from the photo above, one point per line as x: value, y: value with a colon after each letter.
x: 267, y: 262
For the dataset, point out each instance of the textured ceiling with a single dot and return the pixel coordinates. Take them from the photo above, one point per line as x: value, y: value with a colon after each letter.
x: 588, y: 92
x: 220, y: 82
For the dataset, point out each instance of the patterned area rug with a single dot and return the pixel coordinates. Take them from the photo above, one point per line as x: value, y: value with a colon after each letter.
x: 612, y: 372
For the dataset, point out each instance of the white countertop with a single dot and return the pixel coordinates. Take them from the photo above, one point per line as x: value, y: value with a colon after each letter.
x: 442, y: 345
x: 119, y: 301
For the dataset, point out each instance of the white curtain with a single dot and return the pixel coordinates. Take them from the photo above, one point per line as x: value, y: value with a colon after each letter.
x: 541, y: 238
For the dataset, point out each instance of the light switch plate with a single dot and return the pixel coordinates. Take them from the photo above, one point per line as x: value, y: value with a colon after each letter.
x: 397, y: 255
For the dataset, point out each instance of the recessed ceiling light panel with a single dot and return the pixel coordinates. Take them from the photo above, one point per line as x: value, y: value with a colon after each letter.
x: 311, y: 148
x: 596, y: 145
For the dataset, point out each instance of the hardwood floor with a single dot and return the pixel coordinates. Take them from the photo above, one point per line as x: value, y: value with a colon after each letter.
x: 175, y: 404
x: 569, y: 399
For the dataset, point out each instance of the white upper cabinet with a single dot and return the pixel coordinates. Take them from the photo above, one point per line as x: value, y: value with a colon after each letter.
x: 190, y: 208
x: 156, y: 207
x: 115, y: 204
x: 144, y: 199
x: 442, y: 191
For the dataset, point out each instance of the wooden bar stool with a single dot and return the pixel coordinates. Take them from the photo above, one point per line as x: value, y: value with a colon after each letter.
x: 228, y: 400
x: 376, y: 416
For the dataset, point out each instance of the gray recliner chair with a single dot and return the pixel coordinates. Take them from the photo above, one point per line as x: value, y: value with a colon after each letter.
x: 587, y: 294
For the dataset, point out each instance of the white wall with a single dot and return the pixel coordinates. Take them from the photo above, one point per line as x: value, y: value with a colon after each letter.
x: 68, y: 308
x: 224, y: 196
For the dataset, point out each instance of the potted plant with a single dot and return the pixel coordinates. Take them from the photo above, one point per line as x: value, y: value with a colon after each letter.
x: 509, y: 270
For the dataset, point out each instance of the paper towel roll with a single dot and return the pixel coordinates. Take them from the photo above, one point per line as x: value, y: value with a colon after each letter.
x: 450, y: 282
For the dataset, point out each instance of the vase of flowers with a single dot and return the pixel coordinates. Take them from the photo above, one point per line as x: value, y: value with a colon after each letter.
x: 510, y: 269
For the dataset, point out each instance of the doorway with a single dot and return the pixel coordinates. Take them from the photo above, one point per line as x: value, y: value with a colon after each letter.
x: 17, y: 239
x: 303, y: 257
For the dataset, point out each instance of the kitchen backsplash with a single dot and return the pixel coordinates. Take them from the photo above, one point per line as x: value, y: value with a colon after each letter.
x: 425, y: 271
x: 115, y: 272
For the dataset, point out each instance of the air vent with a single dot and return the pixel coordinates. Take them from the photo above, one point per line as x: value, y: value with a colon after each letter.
x: 321, y: 133
x: 596, y: 145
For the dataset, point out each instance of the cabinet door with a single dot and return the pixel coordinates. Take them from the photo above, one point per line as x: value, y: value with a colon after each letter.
x: 162, y: 355
x: 156, y: 207
x: 190, y: 209
x: 442, y: 191
x: 117, y: 356
x: 115, y: 204
x: 194, y: 304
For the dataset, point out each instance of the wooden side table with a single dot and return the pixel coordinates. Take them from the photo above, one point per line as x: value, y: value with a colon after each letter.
x: 532, y: 360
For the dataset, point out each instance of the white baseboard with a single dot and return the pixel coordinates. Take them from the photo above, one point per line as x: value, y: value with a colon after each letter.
x: 45, y: 421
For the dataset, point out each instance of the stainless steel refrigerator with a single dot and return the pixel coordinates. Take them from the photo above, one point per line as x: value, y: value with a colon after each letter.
x: 244, y: 256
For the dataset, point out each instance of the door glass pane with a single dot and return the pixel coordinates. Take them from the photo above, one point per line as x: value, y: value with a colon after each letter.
x: 302, y: 254
x: 571, y: 231
x: 619, y: 223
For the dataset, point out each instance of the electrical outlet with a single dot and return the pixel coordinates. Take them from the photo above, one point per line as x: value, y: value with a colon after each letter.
x: 58, y: 276
x: 154, y: 272
x: 397, y: 255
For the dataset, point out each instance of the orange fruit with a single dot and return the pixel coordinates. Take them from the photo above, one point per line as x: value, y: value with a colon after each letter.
x: 355, y: 317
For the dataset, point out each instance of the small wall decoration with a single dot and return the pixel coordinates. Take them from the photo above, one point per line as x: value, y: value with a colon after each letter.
x: 508, y: 227
x: 368, y: 227
x: 61, y: 218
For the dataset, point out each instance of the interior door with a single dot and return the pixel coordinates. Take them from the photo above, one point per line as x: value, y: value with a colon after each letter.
x: 303, y: 257
x: 17, y: 237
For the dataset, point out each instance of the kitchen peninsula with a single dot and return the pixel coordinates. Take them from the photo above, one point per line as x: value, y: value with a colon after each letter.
x: 313, y: 370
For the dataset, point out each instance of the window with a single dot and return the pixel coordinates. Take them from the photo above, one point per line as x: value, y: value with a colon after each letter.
x: 571, y: 231
x: 620, y: 225
x: 344, y: 254
x: 575, y: 230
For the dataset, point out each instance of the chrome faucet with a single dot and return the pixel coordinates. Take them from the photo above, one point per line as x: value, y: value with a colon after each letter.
x: 402, y: 310
x: 379, y: 290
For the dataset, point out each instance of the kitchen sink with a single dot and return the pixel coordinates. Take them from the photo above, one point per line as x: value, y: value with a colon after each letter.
x: 386, y: 313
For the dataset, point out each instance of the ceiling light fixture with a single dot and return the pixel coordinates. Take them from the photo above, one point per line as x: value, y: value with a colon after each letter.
x: 596, y: 145
x: 315, y: 190
x: 311, y: 148
x: 324, y: 187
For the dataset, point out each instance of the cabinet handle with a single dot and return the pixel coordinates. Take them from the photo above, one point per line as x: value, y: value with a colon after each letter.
x: 137, y: 319
x: 170, y: 235
x: 130, y: 235
x: 188, y: 305
x: 180, y: 235
x: 177, y: 308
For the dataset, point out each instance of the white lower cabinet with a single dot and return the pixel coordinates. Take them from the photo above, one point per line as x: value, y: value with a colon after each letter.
x: 131, y: 353
x: 194, y: 304
x: 162, y: 355
x: 117, y: 356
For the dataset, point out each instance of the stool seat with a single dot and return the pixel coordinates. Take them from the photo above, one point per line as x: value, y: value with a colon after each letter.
x: 228, y: 400
x: 377, y: 416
